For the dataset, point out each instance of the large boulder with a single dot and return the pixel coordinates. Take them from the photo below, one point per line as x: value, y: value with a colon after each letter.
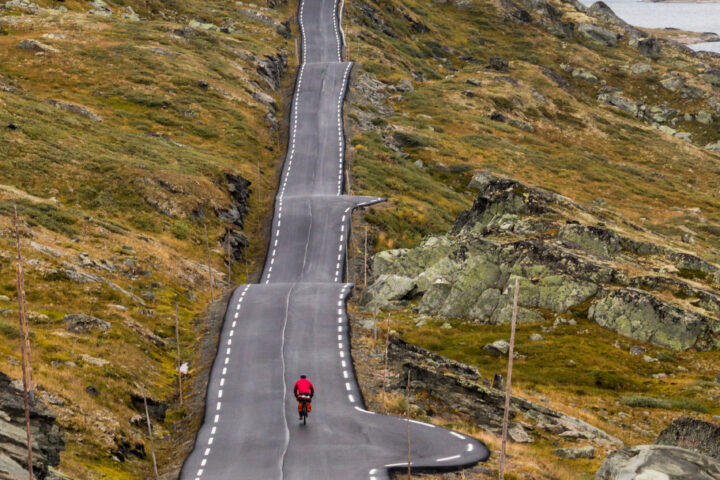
x: 386, y: 290
x: 47, y: 439
x: 641, y: 315
x: 82, y: 323
x: 597, y: 34
x: 654, y: 462
x: 692, y: 434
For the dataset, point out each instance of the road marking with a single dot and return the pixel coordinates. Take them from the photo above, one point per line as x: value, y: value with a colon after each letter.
x: 397, y: 464
x: 422, y: 423
x: 446, y: 459
x: 365, y: 411
x: 461, y: 437
x: 347, y: 386
x: 345, y: 373
x: 351, y: 398
x: 470, y: 447
x: 211, y: 440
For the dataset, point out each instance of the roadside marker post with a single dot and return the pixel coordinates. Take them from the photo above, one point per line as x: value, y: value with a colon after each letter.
x: 511, y: 352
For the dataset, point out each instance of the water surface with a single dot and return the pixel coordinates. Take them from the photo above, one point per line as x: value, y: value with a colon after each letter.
x: 695, y: 17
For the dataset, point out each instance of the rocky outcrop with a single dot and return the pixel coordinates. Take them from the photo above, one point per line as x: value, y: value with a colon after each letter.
x: 235, y: 239
x: 563, y: 266
x: 46, y: 437
x: 439, y: 383
x: 642, y: 316
x: 692, y: 434
x: 658, y: 462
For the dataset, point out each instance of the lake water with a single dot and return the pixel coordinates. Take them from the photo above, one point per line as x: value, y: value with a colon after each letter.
x: 696, y: 17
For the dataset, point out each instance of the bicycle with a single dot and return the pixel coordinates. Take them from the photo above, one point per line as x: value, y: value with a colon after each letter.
x: 304, y: 407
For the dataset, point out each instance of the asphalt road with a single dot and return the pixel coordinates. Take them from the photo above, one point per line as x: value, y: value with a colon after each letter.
x: 294, y: 320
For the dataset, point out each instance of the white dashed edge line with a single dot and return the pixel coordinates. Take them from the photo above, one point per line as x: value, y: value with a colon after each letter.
x: 221, y: 383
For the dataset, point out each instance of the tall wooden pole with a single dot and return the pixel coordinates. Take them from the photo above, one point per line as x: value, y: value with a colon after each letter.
x: 210, y: 272
x: 28, y: 393
x: 365, y: 259
x: 506, y: 415
x: 152, y: 443
x: 407, y: 417
x: 179, y: 363
x: 387, y: 341
x: 229, y: 260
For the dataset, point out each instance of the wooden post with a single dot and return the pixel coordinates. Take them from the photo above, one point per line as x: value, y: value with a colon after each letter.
x: 387, y: 341
x: 28, y: 393
x: 177, y: 341
x: 152, y: 443
x: 407, y: 417
x: 365, y: 259
x: 506, y: 415
x: 210, y: 272
x: 229, y: 261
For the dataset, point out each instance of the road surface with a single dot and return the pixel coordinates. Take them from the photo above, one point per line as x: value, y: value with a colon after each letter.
x: 294, y: 321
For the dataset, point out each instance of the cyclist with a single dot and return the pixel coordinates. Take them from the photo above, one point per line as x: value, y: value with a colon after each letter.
x: 305, y: 388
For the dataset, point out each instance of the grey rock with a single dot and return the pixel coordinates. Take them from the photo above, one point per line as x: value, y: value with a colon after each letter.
x: 499, y: 348
x: 82, y: 323
x: 693, y: 434
x: 536, y: 337
x: 48, y: 441
x: 575, y: 453
x: 704, y: 117
x: 517, y: 434
x: 672, y: 83
x: 655, y: 462
x: 73, y: 108
x: 498, y: 382
x: 620, y: 102
x: 641, y: 68
x: 404, y: 86
x: 597, y: 34
x: 386, y: 290
x: 637, y: 350
x: 90, y: 360
x: 24, y: 5
x: 659, y: 113
x: 691, y: 92
x: 203, y: 26
x: 36, y: 46
x: 712, y: 76
x: 584, y: 74
x: 100, y: 8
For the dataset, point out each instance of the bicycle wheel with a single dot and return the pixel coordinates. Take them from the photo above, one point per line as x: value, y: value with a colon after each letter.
x: 304, y: 413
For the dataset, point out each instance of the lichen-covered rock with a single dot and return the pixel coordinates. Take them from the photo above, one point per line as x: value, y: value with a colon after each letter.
x: 575, y: 453
x: 386, y: 290
x: 596, y: 239
x: 640, y: 315
x: 82, y: 323
x: 692, y: 434
x: 598, y: 34
x: 518, y: 231
x: 654, y: 462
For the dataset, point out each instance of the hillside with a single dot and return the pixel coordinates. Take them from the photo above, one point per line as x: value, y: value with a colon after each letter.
x: 126, y: 128
x: 515, y: 137
x: 554, y: 144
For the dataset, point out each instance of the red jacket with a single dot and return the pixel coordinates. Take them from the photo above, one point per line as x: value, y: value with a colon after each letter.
x: 303, y: 386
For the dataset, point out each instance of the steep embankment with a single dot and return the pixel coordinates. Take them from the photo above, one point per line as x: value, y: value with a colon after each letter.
x: 126, y: 128
x: 616, y: 254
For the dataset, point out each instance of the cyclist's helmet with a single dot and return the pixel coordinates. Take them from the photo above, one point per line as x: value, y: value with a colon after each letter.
x: 303, y: 376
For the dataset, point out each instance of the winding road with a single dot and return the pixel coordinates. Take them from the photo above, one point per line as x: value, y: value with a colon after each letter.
x: 294, y: 321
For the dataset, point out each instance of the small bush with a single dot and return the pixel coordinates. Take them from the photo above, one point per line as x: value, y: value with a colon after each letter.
x: 9, y: 331
x: 680, y: 403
